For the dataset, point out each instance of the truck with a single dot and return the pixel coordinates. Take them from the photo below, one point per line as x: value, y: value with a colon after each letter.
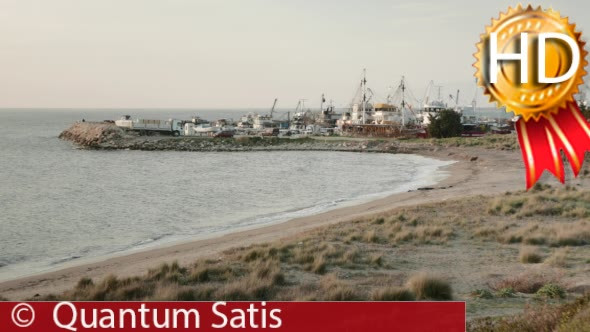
x: 146, y: 127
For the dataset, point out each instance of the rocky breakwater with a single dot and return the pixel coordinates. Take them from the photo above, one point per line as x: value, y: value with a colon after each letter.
x: 93, y: 134
x: 107, y: 136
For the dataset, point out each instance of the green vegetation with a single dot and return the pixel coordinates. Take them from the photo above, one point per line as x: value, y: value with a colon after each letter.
x: 526, y: 282
x: 506, y: 292
x: 569, y: 317
x: 552, y: 291
x: 482, y: 294
x: 447, y: 123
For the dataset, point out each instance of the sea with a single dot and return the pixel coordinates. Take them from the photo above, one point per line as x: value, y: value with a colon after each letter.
x: 61, y: 205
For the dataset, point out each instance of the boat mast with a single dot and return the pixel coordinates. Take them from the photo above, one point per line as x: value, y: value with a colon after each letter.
x: 403, y: 87
x: 364, y: 89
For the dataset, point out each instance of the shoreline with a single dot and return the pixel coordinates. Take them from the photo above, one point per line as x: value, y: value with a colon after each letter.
x: 428, y: 179
x: 466, y: 177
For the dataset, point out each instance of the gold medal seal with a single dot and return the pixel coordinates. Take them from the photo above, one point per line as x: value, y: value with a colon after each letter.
x: 532, y: 99
x: 531, y: 61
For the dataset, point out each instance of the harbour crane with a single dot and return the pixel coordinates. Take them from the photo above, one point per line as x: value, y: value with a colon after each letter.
x: 456, y: 100
x: 273, y: 107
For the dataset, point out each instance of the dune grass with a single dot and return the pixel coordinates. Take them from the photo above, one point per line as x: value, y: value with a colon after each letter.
x: 570, y: 317
x: 458, y: 249
x: 428, y: 287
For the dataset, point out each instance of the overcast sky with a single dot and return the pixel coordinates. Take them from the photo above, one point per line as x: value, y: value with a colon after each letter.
x: 237, y: 53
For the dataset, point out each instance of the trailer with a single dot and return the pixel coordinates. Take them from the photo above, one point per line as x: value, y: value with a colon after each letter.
x: 145, y: 126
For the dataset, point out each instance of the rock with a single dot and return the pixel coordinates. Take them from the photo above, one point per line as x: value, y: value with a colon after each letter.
x: 425, y: 188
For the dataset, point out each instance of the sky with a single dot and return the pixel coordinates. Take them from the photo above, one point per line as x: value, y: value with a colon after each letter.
x: 238, y: 53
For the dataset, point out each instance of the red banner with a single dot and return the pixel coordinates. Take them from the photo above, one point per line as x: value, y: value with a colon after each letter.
x: 541, y: 142
x: 242, y: 316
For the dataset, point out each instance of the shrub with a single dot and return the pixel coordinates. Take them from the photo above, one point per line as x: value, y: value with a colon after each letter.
x: 528, y: 283
x: 447, y: 123
x: 551, y: 291
x: 506, y: 292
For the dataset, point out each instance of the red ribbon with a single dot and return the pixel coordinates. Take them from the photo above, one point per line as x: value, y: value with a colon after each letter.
x: 541, y: 142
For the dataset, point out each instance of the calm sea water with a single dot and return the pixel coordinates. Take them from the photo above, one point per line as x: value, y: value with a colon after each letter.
x: 60, y: 205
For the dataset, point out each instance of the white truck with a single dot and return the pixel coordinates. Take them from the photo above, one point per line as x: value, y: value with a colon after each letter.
x: 145, y: 126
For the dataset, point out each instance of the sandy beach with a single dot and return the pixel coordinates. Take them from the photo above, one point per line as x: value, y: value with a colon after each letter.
x: 476, y: 171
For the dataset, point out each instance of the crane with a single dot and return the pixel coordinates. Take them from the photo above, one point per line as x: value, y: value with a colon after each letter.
x: 456, y: 99
x: 273, y: 107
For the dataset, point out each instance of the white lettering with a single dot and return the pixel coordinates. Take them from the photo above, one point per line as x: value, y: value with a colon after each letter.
x: 220, y: 315
x: 238, y: 321
x: 276, y: 318
x: 575, y: 57
x: 522, y: 57
x: 70, y: 325
x: 142, y: 310
x: 186, y: 314
x: 166, y: 323
x: 122, y: 318
x: 92, y: 323
x: 110, y: 317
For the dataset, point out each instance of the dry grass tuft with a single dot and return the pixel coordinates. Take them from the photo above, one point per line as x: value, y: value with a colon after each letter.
x: 530, y: 255
x: 393, y: 294
x: 544, y: 200
x: 567, y: 317
x: 427, y: 287
x: 528, y: 283
x: 333, y: 289
x: 558, y: 258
